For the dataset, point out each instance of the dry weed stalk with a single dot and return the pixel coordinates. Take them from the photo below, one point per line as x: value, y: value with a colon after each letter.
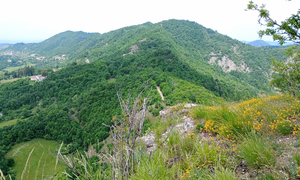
x: 79, y: 165
x: 125, y: 131
x: 1, y: 175
x: 37, y: 169
x: 24, y: 171
x: 72, y: 162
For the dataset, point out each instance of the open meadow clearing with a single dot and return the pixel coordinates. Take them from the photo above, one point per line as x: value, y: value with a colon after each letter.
x: 8, y: 123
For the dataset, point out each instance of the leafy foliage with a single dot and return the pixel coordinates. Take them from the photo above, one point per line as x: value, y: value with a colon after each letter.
x: 287, y: 77
x: 287, y: 30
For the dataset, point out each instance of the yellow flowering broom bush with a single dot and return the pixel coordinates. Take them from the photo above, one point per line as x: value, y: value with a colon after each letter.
x: 264, y: 115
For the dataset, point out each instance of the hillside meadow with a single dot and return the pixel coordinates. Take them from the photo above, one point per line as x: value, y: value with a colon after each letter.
x: 253, y: 139
x: 8, y: 123
x: 40, y: 162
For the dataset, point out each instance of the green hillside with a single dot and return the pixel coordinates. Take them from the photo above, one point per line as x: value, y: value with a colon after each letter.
x: 189, y: 63
x: 67, y: 43
x: 195, y: 45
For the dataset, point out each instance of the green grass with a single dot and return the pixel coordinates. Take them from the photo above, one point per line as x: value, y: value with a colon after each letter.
x: 9, y: 69
x: 8, y: 123
x: 268, y: 116
x: 234, y: 140
x: 20, y: 154
x: 257, y: 152
x: 111, y: 80
x: 15, y: 79
x: 9, y: 80
x: 233, y: 136
x: 223, y: 174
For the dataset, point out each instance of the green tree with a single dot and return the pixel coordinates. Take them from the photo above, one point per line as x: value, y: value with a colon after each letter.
x: 287, y: 74
x: 287, y: 30
x: 44, y: 73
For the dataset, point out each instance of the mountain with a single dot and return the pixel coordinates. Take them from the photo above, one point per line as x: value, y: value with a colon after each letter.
x: 67, y: 44
x: 188, y: 51
x: 20, y: 41
x: 3, y: 44
x: 274, y: 43
x: 188, y: 62
x: 202, y: 49
x: 258, y: 43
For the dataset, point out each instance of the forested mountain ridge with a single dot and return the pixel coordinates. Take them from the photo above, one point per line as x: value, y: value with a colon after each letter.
x: 68, y: 43
x: 58, y: 44
x: 186, y: 60
x: 203, y: 49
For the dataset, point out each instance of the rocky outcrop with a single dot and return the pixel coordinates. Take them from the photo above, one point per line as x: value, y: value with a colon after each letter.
x: 134, y: 49
x: 185, y: 127
x: 143, y: 40
x: 228, y: 65
x: 235, y: 50
x: 212, y: 60
x: 149, y: 141
x: 163, y: 113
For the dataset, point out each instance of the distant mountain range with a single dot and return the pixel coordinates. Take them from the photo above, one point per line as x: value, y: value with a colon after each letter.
x: 3, y: 44
x: 3, y: 41
x: 260, y: 43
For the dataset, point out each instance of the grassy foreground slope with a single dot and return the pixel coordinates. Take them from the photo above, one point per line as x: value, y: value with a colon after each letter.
x: 20, y: 153
x: 257, y: 139
x: 253, y: 139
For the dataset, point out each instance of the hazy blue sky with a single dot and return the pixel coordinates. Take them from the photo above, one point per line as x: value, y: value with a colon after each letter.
x: 32, y: 20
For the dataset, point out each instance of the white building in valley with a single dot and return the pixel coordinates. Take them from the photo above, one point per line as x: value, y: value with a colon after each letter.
x: 37, y: 78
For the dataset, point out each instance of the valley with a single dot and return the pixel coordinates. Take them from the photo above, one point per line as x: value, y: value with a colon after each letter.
x: 176, y: 61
